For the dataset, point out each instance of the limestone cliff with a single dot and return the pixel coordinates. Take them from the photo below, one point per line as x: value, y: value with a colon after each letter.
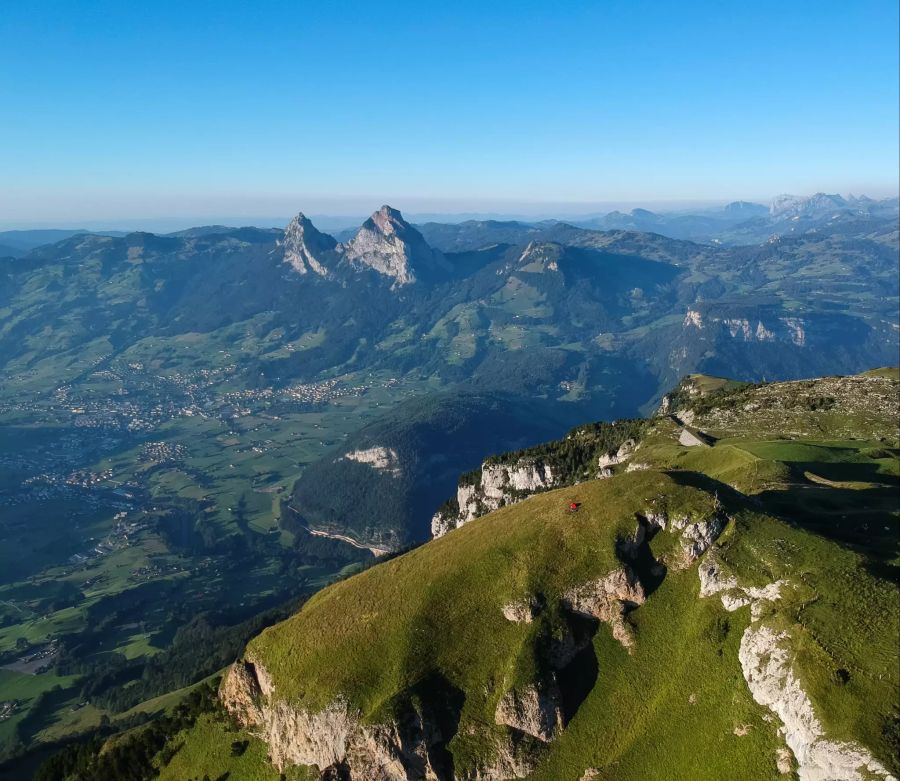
x: 748, y: 329
x: 341, y: 745
x: 497, y: 485
x: 503, y: 482
x: 306, y: 249
x: 411, y: 743
x: 767, y: 656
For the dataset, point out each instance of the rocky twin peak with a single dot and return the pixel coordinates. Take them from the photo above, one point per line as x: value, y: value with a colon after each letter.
x: 308, y: 249
x: 385, y: 243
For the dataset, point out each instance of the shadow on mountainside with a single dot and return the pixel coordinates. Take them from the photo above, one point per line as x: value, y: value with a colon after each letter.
x: 863, y: 519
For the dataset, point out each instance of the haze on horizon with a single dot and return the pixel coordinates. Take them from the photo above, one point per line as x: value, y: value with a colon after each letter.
x: 190, y: 113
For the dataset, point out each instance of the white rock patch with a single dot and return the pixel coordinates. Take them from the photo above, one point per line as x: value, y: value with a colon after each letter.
x: 382, y: 459
x: 767, y: 662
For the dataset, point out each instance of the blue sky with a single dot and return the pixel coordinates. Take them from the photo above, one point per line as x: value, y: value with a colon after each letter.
x: 114, y: 110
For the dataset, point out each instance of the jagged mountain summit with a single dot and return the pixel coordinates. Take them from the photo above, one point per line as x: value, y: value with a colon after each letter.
x: 794, y: 206
x: 392, y: 247
x: 384, y: 243
x: 307, y: 249
x: 582, y: 324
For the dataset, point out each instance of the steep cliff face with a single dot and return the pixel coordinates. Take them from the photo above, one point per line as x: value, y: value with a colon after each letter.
x: 340, y: 744
x: 768, y: 654
x: 392, y: 247
x: 749, y: 329
x: 410, y: 739
x: 497, y: 652
x: 502, y: 482
x: 380, y: 458
x: 306, y: 249
x: 334, y: 739
x: 498, y: 485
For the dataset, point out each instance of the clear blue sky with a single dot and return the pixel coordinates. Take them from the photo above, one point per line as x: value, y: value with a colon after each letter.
x: 117, y: 109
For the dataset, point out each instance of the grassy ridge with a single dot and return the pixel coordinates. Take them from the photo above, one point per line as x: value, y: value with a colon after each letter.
x: 360, y: 636
x: 819, y: 514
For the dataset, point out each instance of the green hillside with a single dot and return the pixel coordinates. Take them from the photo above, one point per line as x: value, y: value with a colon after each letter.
x: 617, y: 641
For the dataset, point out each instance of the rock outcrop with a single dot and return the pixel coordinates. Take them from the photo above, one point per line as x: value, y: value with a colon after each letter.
x: 522, y: 611
x: 335, y: 740
x: 608, y: 460
x: 534, y: 709
x: 498, y: 485
x: 539, y: 257
x: 339, y: 744
x: 608, y: 599
x: 381, y: 459
x: 746, y: 329
x: 696, y: 538
x: 767, y: 659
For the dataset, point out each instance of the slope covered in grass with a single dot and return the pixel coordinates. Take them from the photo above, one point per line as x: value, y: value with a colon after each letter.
x: 516, y: 645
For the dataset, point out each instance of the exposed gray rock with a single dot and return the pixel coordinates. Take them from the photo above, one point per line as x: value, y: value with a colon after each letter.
x: 385, y: 243
x: 784, y: 760
x: 623, y: 453
x: 381, y: 459
x: 713, y: 580
x: 500, y: 485
x: 331, y: 738
x: 533, y: 709
x: 522, y: 611
x: 441, y: 523
x: 782, y: 329
x: 608, y: 599
x: 696, y: 538
x: 767, y: 661
x: 392, y: 247
x: 539, y: 257
x: 335, y: 740
x: 306, y: 249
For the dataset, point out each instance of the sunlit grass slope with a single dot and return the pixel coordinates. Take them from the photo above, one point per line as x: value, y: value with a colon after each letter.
x: 815, y: 513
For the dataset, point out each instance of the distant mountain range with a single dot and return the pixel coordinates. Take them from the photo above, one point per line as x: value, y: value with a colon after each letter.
x: 574, y: 323
x: 742, y: 222
x: 739, y: 222
x: 203, y: 425
x: 16, y: 243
